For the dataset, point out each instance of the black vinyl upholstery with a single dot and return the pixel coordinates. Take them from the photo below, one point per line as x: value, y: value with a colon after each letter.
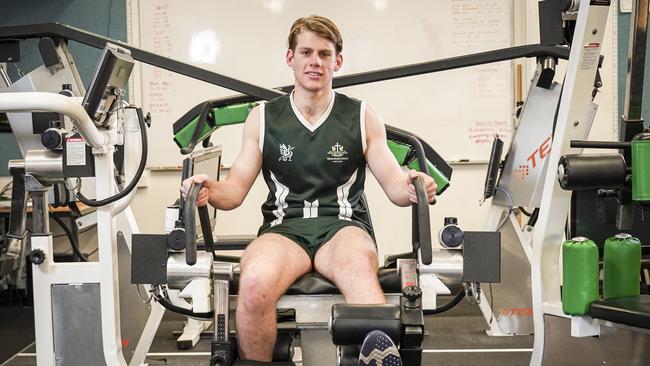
x: 314, y: 284
x: 351, y: 323
x: 633, y: 310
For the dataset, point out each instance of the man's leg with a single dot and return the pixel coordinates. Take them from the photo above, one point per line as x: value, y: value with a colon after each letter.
x: 350, y: 261
x: 270, y: 264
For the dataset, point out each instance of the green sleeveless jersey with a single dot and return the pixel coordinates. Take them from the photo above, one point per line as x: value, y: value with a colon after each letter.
x: 314, y: 170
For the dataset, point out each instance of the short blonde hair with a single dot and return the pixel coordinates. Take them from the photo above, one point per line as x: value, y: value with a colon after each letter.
x: 319, y: 25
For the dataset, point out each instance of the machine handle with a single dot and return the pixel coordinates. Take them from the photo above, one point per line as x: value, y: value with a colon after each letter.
x: 424, y: 228
x: 190, y: 223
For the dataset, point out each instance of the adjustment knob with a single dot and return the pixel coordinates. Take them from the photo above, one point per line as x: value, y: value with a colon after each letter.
x: 451, y: 235
x: 66, y: 89
x: 176, y: 239
x: 36, y: 256
x: 52, y: 138
x: 412, y: 293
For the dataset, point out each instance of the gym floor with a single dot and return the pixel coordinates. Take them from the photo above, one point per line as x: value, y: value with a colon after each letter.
x: 454, y: 338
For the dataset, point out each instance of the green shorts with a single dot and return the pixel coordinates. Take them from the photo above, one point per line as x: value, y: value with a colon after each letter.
x: 311, y: 233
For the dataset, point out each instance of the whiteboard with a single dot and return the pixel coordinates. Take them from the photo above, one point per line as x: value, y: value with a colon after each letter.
x: 457, y: 112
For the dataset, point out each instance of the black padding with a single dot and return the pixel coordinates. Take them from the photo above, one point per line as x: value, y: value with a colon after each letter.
x: 632, y: 310
x: 351, y: 322
x: 47, y: 48
x: 149, y: 259
x: 591, y: 171
x: 482, y: 257
x: 283, y: 350
x: 314, y: 284
x: 9, y: 50
x: 349, y: 355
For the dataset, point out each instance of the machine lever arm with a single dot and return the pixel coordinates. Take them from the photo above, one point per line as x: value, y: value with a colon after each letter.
x: 424, y: 228
x: 190, y: 223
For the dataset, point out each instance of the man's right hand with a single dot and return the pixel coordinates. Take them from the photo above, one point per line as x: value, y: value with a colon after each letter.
x: 204, y: 196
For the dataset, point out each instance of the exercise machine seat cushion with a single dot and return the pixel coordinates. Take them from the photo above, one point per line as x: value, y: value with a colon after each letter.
x: 314, y: 284
x: 632, y: 310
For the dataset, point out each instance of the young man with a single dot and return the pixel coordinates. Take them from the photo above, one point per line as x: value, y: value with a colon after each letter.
x: 312, y: 147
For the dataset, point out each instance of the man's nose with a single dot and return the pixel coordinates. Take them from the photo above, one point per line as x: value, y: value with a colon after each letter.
x: 315, y: 60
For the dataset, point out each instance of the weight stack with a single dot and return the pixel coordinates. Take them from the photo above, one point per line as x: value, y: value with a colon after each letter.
x: 622, y: 266
x: 580, y: 279
x: 641, y: 167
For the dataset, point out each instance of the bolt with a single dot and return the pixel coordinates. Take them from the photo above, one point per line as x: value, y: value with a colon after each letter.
x: 575, y: 123
x: 594, y: 31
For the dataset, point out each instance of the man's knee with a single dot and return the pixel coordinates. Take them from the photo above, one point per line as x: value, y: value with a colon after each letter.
x: 256, y: 292
x: 361, y: 255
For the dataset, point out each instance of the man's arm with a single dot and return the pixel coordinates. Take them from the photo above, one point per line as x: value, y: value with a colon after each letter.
x: 397, y: 184
x: 230, y: 192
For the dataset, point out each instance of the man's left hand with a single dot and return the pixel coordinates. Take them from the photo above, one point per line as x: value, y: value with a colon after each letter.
x: 429, y: 185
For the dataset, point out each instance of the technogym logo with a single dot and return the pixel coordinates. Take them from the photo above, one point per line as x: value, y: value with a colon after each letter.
x: 286, y: 152
x: 337, y: 154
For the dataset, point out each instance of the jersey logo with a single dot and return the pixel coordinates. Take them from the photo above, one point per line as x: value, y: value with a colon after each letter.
x: 337, y: 154
x: 286, y: 152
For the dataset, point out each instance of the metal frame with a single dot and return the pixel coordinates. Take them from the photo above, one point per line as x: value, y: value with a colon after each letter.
x: 541, y: 244
x: 110, y: 219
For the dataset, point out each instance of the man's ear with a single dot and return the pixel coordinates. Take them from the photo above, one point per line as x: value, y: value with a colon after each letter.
x: 339, y: 62
x: 289, y: 58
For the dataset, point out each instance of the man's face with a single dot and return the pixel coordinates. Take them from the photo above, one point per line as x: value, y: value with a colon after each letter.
x: 314, y: 61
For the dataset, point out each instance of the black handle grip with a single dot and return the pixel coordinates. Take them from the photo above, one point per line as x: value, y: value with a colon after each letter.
x: 424, y: 228
x: 190, y: 223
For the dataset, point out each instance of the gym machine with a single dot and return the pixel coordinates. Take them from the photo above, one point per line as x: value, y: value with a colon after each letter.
x: 447, y: 259
x: 542, y: 167
x: 328, y: 330
x: 81, y: 129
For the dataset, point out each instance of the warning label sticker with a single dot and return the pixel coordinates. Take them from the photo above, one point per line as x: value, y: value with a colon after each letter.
x: 75, y: 151
x: 590, y: 53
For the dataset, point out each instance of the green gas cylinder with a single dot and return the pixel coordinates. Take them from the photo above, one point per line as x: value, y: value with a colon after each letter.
x: 580, y: 275
x: 622, y: 266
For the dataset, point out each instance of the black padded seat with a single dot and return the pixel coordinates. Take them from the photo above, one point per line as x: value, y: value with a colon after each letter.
x: 314, y: 284
x: 633, y: 310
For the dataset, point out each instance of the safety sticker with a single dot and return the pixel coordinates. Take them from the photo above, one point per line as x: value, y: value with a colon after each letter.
x: 590, y: 53
x: 75, y: 151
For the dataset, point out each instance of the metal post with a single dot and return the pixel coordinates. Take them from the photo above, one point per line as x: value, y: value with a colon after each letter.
x: 635, y: 61
x: 632, y: 122
x: 571, y: 123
